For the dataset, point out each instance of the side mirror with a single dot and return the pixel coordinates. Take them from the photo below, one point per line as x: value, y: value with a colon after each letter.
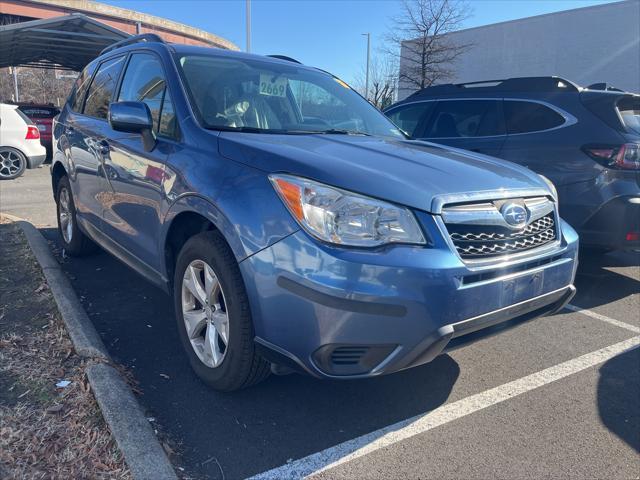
x: 133, y: 117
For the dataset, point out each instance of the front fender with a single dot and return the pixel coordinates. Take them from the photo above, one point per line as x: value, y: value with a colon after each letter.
x: 246, y: 210
x: 193, y: 203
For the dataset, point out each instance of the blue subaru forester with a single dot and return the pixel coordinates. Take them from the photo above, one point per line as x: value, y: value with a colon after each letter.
x: 295, y: 226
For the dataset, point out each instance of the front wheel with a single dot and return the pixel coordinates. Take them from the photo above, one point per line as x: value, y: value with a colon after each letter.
x: 213, y: 316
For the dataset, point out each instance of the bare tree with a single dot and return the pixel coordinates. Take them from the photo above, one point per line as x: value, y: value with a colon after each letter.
x: 419, y: 37
x: 383, y: 84
x: 37, y: 85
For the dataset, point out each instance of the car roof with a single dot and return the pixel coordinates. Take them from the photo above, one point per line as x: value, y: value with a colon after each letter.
x: 182, y: 49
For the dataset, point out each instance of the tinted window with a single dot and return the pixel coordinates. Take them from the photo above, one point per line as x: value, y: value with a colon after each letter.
x: 102, y: 87
x: 39, y: 112
x: 629, y: 108
x: 409, y: 117
x: 144, y: 82
x: 80, y: 87
x: 466, y: 118
x: 523, y: 117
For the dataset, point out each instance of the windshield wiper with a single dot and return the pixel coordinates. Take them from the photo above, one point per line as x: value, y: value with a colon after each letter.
x: 226, y: 128
x: 331, y: 131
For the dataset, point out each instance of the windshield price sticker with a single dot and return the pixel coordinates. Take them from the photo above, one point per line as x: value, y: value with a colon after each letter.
x: 272, y: 85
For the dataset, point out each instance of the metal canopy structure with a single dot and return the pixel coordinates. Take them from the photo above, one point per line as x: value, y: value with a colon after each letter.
x: 68, y: 42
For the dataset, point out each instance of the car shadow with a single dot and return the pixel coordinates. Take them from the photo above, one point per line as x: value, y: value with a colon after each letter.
x: 619, y: 397
x: 596, y: 271
x: 253, y: 430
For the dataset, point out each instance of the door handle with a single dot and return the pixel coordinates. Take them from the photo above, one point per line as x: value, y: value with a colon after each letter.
x: 103, y: 148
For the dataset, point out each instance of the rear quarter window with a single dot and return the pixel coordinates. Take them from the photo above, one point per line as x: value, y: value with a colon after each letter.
x: 26, y: 119
x: 80, y: 88
x: 525, y: 117
x: 629, y: 108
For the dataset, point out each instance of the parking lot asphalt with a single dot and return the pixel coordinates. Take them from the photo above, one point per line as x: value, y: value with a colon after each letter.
x: 581, y: 420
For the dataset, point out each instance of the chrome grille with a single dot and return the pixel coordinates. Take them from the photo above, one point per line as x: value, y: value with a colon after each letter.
x: 478, y: 231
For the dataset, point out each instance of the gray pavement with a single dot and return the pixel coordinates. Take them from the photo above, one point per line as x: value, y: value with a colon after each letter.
x: 30, y: 197
x: 582, y: 424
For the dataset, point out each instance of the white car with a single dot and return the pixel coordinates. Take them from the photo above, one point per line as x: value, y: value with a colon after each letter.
x: 20, y: 146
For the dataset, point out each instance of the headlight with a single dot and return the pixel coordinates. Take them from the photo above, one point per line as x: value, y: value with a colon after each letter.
x: 551, y: 186
x: 345, y: 218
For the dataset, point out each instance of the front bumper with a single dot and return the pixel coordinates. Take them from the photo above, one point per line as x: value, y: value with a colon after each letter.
x: 352, y: 313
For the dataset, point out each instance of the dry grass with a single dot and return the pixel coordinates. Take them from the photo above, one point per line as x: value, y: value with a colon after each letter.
x: 45, y: 431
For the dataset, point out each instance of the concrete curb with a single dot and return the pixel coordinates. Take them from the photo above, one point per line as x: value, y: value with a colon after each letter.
x: 142, y: 451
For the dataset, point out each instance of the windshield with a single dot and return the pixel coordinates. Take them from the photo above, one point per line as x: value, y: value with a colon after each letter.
x: 268, y: 97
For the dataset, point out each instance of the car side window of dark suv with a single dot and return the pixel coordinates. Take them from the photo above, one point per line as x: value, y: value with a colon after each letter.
x: 102, y: 87
x: 526, y: 117
x: 466, y: 118
x: 410, y: 118
x: 144, y: 81
x: 80, y: 88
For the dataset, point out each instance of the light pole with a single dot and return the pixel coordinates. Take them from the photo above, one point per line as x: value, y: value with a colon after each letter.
x: 366, y: 82
x: 248, y: 26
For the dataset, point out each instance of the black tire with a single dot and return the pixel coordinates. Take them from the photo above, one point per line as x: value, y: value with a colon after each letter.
x: 13, y: 163
x: 77, y: 244
x: 241, y: 365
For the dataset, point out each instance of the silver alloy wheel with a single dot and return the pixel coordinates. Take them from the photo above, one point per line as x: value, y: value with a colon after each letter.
x: 65, y: 215
x: 10, y: 163
x: 204, y: 313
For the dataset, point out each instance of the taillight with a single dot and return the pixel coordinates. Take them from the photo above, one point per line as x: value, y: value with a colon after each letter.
x: 32, y: 133
x: 626, y: 156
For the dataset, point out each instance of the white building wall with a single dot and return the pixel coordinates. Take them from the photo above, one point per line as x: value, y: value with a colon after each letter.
x: 585, y: 45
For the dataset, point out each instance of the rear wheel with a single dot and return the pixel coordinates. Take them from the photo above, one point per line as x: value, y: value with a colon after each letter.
x: 213, y: 316
x: 74, y: 241
x: 12, y: 163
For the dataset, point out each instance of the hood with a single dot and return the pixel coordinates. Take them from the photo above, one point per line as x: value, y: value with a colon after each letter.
x: 407, y: 172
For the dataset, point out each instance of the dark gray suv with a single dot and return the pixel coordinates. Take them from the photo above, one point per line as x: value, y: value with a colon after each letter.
x: 585, y: 140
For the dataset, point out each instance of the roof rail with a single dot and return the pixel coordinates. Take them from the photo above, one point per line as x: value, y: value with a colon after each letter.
x: 284, y: 57
x: 143, y: 37
x: 518, y: 84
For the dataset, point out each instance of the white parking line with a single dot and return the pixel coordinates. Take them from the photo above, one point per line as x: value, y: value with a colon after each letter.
x: 360, y: 446
x: 612, y: 321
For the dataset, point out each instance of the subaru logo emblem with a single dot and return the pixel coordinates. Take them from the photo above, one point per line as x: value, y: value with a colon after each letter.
x: 515, y: 215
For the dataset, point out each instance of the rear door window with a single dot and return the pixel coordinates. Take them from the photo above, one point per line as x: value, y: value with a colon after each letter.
x: 466, y: 118
x: 411, y: 117
x: 102, y: 88
x: 526, y: 117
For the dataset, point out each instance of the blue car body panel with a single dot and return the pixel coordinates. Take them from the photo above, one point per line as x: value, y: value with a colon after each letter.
x: 305, y: 294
